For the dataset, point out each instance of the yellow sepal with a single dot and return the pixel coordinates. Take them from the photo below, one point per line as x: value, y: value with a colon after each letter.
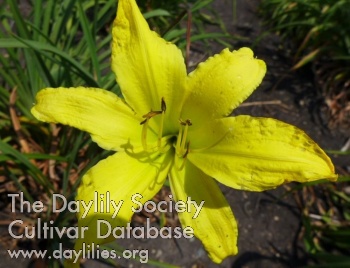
x: 111, y: 123
x: 213, y: 224
x: 257, y: 154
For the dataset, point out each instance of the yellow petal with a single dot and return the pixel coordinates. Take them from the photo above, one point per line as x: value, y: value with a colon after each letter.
x: 118, y: 178
x: 256, y: 154
x: 221, y: 83
x: 111, y: 123
x: 147, y: 67
x: 214, y: 224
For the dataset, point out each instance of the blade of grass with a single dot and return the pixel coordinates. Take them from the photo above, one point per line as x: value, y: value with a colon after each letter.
x: 90, y: 40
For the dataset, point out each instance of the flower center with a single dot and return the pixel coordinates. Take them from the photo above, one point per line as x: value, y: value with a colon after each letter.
x: 179, y: 141
x: 181, y: 146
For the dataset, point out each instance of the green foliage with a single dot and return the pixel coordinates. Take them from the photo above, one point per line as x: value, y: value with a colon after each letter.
x: 49, y: 43
x: 327, y: 224
x: 312, y: 24
x: 320, y: 30
x: 165, y: 17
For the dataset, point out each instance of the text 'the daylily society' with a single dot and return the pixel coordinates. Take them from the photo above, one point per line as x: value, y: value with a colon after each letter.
x: 103, y: 203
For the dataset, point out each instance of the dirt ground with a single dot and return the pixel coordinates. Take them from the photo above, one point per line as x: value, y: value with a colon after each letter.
x: 269, y: 222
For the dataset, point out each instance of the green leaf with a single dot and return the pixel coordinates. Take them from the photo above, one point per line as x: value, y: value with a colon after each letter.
x: 41, y: 47
x: 156, y: 13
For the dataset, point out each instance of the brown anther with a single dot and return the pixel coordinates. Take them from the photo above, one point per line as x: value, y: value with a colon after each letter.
x: 144, y: 121
x: 151, y: 114
x: 182, y: 122
x: 187, y: 122
x: 163, y: 105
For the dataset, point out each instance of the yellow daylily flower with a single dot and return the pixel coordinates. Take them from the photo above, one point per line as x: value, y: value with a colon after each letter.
x: 175, y: 125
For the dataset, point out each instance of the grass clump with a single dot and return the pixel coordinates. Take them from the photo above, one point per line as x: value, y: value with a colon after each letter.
x: 319, y: 31
x: 326, y: 222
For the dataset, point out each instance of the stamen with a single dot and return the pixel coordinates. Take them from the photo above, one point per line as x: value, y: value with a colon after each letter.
x: 151, y: 114
x: 163, y: 105
x: 179, y: 138
x: 182, y: 164
x: 160, y: 132
x: 144, y: 133
x: 147, y: 117
x: 183, y: 158
x: 187, y: 123
x: 182, y: 147
x: 187, y: 150
x: 184, y: 137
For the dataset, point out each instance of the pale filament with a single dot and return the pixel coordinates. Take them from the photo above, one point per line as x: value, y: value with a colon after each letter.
x: 178, y: 141
x: 184, y: 137
x: 181, y: 147
x: 160, y: 132
x: 180, y: 161
x: 144, y: 134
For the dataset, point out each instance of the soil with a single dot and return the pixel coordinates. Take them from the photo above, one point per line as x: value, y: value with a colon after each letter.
x: 269, y: 222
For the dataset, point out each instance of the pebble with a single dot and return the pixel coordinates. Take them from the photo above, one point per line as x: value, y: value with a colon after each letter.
x: 347, y: 190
